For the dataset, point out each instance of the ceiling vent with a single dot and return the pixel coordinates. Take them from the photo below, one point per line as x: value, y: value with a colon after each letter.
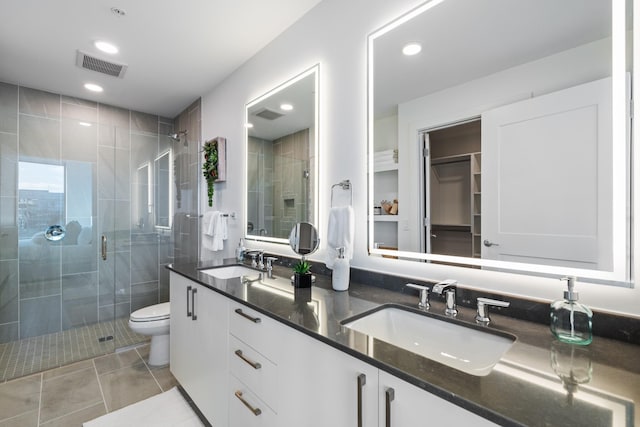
x: 265, y: 113
x: 89, y: 62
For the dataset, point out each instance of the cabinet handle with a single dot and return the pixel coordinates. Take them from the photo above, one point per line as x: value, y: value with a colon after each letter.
x: 362, y: 380
x: 254, y: 365
x: 188, y: 292
x: 193, y: 304
x: 256, y: 411
x: 390, y: 394
x: 246, y: 316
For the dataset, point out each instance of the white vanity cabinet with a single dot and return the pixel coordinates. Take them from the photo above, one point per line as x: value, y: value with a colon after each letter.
x: 198, y: 342
x: 401, y: 404
x: 322, y: 386
x: 254, y: 351
x: 245, y: 369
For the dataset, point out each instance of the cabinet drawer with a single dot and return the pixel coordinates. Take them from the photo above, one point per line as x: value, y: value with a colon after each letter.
x: 254, y: 370
x: 246, y: 409
x: 254, y: 328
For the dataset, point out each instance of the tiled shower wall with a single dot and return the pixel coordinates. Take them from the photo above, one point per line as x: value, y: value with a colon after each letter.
x: 291, y: 182
x: 61, y: 286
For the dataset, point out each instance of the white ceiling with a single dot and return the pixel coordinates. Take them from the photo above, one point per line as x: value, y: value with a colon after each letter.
x: 175, y: 51
x: 464, y: 40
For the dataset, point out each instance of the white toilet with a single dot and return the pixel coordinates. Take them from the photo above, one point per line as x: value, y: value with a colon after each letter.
x: 154, y: 321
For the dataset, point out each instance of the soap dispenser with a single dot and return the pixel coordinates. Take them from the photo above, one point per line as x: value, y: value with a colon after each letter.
x: 340, y: 275
x: 570, y: 320
x: 240, y: 251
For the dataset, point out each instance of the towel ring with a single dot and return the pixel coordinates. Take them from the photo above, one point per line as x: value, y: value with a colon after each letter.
x: 344, y: 185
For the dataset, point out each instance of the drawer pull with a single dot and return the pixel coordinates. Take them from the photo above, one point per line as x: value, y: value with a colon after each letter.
x: 256, y: 411
x: 254, y: 365
x: 390, y: 395
x: 188, y: 298
x: 193, y: 304
x: 246, y: 316
x: 362, y: 380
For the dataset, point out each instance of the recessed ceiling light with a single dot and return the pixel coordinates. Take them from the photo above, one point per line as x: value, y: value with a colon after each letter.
x: 85, y: 124
x: 93, y: 87
x: 412, y: 48
x: 286, y: 107
x: 106, y: 47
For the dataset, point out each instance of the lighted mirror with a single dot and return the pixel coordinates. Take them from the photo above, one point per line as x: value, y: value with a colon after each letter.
x: 504, y: 142
x: 282, y: 159
x: 163, y: 190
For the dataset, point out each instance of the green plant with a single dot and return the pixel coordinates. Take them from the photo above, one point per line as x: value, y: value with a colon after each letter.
x: 210, y: 166
x: 302, y: 267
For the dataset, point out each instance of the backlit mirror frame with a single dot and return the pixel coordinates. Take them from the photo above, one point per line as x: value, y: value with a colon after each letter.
x: 620, y: 274
x: 314, y: 151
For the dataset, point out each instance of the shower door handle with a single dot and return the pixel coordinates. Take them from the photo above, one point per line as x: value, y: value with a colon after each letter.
x: 104, y: 247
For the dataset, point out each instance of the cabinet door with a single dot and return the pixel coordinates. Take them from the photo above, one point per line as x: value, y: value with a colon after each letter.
x: 199, y: 346
x: 321, y: 386
x: 181, y: 329
x: 401, y: 404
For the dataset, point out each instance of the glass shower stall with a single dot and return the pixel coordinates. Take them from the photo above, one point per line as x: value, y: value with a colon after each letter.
x: 86, y: 209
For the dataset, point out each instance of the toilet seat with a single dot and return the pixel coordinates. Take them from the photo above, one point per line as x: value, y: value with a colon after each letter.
x: 152, y: 313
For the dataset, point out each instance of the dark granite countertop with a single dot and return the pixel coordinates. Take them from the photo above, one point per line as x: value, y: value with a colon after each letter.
x: 600, y: 383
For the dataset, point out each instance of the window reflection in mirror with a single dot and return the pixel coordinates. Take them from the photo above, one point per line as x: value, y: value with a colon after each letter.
x: 282, y: 158
x: 511, y: 136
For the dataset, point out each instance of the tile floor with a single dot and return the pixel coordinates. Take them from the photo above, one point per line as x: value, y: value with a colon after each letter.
x: 30, y: 355
x: 72, y: 394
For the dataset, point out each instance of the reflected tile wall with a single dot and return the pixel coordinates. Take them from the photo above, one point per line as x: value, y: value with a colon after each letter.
x: 48, y: 287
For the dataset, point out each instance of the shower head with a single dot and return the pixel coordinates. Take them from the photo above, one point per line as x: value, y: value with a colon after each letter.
x: 176, y: 136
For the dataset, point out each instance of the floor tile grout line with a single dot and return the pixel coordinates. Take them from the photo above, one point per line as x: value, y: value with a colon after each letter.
x: 149, y: 369
x: 72, y: 412
x: 40, y: 398
x: 104, y: 400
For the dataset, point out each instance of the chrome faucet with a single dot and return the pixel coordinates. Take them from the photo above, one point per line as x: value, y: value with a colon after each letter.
x: 270, y: 260
x: 482, y: 316
x: 424, y: 295
x: 253, y: 254
x: 448, y: 289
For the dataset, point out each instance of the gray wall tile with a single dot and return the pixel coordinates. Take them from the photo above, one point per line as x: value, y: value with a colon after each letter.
x: 9, y: 291
x: 39, y: 103
x: 8, y: 164
x: 144, y: 123
x: 79, y: 299
x: 8, y: 108
x: 9, y: 332
x: 39, y: 138
x: 39, y: 316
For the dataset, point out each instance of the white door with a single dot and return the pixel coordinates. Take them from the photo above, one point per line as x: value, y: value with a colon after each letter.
x: 546, y: 179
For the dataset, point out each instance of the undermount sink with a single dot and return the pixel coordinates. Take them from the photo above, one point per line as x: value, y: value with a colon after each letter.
x: 230, y: 272
x: 464, y: 348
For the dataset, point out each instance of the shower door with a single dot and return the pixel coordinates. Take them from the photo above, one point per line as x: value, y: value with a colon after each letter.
x: 57, y: 213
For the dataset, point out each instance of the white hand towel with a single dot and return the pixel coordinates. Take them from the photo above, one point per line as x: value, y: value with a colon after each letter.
x: 340, y: 233
x: 220, y: 231
x: 208, y: 223
x: 212, y: 231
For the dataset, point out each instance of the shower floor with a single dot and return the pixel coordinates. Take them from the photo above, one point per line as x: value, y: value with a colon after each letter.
x: 29, y: 355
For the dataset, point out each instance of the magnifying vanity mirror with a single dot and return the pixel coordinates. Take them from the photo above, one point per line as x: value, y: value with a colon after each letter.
x: 303, y: 239
x: 282, y: 159
x: 504, y: 137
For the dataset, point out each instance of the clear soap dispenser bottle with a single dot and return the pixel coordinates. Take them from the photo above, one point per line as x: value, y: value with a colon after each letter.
x: 240, y: 251
x: 570, y: 320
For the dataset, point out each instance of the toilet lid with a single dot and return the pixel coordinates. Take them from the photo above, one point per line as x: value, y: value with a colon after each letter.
x: 153, y: 312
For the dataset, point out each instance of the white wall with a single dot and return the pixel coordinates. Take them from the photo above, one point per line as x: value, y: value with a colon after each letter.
x: 334, y: 34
